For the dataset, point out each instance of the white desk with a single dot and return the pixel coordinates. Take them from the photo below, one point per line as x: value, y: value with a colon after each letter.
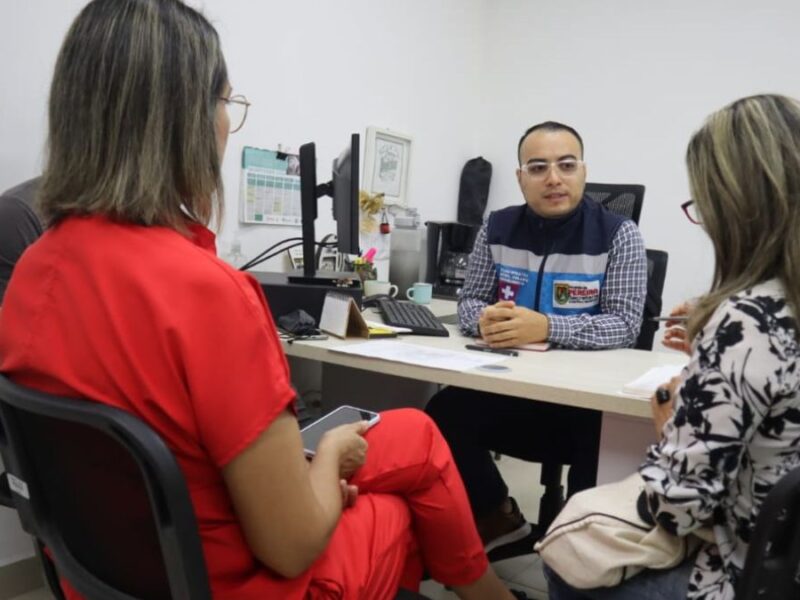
x: 588, y: 379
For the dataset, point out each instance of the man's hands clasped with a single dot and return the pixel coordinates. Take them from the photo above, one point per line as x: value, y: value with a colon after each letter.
x: 505, y: 324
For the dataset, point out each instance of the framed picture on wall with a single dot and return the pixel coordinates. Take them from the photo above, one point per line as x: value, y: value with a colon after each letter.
x: 387, y: 156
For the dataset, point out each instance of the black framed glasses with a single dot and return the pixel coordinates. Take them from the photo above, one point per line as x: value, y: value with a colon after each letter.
x: 237, y: 110
x: 690, y: 210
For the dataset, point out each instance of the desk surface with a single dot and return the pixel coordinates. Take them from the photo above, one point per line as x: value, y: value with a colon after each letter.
x: 589, y: 379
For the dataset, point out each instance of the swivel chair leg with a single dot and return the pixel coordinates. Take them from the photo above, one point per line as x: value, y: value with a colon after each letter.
x: 553, y: 499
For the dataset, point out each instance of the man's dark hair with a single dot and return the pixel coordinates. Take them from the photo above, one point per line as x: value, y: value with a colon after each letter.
x: 549, y: 126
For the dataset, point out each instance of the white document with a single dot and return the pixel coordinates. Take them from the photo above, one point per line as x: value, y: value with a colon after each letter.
x: 424, y: 356
x: 645, y: 385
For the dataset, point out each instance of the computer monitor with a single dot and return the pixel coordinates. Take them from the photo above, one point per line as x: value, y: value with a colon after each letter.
x: 343, y: 189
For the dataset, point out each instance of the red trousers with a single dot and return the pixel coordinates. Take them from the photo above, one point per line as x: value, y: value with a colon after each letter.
x: 412, y: 511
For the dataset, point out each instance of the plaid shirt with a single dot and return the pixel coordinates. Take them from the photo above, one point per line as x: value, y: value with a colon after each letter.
x: 621, y: 299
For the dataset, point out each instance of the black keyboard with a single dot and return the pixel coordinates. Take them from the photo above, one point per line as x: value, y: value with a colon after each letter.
x: 419, y: 319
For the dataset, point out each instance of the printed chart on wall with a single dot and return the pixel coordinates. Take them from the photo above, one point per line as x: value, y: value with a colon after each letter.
x: 269, y: 191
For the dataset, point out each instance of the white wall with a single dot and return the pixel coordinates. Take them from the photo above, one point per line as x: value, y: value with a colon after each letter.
x: 463, y: 78
x: 321, y: 71
x: 30, y: 36
x: 313, y: 71
x: 635, y: 79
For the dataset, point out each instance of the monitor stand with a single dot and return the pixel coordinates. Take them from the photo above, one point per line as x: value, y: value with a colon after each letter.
x: 334, y: 279
x: 284, y: 295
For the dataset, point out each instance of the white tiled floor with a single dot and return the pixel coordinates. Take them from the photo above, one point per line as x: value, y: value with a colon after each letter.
x: 521, y: 573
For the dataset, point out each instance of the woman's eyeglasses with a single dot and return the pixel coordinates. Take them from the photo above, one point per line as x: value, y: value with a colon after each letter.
x: 690, y: 210
x: 237, y: 110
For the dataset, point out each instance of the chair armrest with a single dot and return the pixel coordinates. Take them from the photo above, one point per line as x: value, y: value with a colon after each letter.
x: 5, y: 491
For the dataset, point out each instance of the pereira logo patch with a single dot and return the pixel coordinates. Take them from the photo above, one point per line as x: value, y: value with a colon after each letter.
x: 576, y: 294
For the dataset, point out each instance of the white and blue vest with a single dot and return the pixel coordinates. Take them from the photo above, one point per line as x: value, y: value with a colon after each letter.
x: 554, y: 266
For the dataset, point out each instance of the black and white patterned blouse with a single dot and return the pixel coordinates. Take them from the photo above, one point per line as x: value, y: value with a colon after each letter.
x: 735, y: 431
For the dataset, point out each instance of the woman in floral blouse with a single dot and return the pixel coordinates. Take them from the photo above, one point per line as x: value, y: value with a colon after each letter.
x: 731, y: 428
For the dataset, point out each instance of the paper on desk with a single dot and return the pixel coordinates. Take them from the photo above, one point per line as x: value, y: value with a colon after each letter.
x: 425, y: 356
x: 645, y: 385
x: 381, y: 325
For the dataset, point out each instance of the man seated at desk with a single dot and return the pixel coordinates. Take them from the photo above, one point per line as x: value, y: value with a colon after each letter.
x: 559, y: 268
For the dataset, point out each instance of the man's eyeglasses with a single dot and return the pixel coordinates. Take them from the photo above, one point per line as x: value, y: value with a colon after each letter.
x: 237, y: 110
x: 690, y: 210
x: 539, y: 169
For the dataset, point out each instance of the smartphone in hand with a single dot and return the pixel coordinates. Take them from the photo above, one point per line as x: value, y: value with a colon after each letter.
x: 313, y: 432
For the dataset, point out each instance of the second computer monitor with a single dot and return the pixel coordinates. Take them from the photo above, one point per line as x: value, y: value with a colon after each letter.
x: 343, y: 189
x: 345, y: 197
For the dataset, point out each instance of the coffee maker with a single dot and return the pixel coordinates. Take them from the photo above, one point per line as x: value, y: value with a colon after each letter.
x: 449, y: 245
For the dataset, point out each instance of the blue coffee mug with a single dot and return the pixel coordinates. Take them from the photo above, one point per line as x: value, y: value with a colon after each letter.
x: 420, y: 293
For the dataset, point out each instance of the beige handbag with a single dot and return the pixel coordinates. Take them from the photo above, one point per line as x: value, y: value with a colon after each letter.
x: 599, y: 540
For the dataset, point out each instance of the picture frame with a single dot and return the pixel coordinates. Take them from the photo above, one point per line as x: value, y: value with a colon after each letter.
x: 387, y: 156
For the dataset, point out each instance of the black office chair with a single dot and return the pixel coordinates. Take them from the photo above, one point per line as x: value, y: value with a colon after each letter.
x: 772, y: 568
x: 622, y: 198
x: 627, y: 200
x: 656, y: 274
x: 104, y: 494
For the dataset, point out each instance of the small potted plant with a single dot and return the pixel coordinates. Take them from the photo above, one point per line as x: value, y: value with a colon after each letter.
x: 364, y: 266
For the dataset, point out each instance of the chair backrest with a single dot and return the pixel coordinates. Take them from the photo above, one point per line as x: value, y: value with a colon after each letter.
x: 621, y: 198
x: 656, y: 274
x: 626, y: 199
x: 103, y: 492
x: 772, y: 568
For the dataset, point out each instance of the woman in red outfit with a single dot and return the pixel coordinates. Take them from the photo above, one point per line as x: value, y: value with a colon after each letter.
x: 124, y: 302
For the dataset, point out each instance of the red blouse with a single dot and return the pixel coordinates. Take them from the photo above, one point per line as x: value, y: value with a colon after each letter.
x: 147, y: 320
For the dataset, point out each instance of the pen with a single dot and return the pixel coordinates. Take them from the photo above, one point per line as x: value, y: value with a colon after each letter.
x: 492, y: 350
x: 677, y: 319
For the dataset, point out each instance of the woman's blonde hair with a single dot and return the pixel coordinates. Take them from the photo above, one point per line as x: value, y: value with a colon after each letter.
x: 132, y: 116
x: 744, y: 174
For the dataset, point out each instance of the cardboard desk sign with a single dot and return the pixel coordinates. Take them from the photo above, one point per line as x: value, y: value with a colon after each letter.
x: 342, y: 318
